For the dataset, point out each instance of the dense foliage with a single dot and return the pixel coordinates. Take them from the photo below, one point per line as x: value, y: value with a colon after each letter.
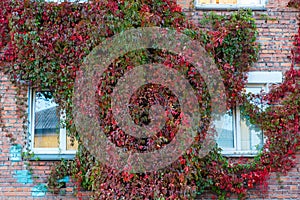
x: 44, y: 44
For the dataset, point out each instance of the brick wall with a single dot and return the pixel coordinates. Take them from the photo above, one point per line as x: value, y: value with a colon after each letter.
x: 18, y: 182
x: 276, y: 25
x: 16, y: 179
x: 279, y: 186
x: 283, y: 187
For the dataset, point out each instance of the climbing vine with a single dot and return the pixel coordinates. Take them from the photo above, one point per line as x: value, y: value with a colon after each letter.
x: 44, y: 44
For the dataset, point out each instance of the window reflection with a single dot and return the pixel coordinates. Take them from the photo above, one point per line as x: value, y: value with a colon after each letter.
x: 225, y: 130
x: 251, y: 135
x: 46, y: 122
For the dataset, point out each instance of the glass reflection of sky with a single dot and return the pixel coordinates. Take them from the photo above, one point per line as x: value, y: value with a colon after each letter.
x: 42, y: 102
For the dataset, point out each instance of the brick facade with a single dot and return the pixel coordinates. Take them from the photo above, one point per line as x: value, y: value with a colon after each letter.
x: 276, y: 25
x: 18, y: 182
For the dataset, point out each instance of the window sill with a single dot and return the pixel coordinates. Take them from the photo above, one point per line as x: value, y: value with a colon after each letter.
x: 67, y: 156
x: 52, y: 154
x: 238, y: 154
x: 229, y: 7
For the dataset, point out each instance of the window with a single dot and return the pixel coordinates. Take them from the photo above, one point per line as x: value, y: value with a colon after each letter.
x: 48, y: 138
x: 236, y: 135
x: 230, y: 4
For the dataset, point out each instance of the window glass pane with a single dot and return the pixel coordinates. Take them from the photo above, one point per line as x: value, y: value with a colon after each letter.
x: 255, y: 90
x: 242, y: 2
x: 206, y: 1
x: 71, y: 144
x: 218, y: 1
x: 251, y: 135
x: 226, y: 1
x: 250, y: 2
x: 46, y: 122
x: 225, y: 130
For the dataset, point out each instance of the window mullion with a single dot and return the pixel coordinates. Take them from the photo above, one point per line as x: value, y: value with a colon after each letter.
x: 237, y: 129
x: 63, y: 139
x: 63, y: 133
x: 32, y: 117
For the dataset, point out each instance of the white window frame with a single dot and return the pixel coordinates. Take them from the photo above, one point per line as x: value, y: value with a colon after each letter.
x: 255, y: 79
x: 237, y: 6
x: 46, y: 153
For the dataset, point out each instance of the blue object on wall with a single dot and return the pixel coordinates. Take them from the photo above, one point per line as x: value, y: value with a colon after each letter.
x: 65, y: 179
x: 39, y: 190
x: 15, y: 153
x: 23, y: 176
